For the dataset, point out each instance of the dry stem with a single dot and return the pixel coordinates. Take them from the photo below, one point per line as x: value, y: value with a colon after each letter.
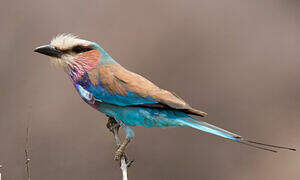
x: 113, y: 126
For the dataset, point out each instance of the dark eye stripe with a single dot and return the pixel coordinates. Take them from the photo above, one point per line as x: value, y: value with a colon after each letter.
x: 80, y: 49
x: 76, y: 49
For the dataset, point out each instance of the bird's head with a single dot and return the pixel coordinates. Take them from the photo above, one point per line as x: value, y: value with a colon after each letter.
x: 70, y: 51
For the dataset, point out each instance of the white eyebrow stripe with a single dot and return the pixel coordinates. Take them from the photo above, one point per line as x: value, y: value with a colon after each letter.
x: 67, y: 41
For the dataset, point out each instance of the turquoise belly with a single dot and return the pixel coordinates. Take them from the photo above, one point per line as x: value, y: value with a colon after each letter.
x: 140, y: 116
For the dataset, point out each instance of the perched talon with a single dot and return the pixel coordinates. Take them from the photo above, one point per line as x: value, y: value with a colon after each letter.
x: 118, y: 154
x: 121, y: 149
x: 127, y: 161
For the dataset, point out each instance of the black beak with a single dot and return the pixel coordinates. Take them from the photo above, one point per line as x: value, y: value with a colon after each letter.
x: 49, y: 50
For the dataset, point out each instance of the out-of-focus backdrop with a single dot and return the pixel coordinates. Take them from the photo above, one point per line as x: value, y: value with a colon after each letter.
x: 237, y: 60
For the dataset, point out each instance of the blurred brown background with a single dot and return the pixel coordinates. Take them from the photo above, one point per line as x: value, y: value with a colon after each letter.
x: 237, y: 60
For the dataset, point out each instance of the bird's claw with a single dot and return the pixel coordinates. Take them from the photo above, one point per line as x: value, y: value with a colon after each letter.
x: 119, y: 153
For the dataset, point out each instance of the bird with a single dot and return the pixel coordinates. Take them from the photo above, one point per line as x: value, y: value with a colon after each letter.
x: 125, y: 96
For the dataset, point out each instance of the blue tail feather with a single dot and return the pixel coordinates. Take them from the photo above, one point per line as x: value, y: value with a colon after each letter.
x: 203, y: 126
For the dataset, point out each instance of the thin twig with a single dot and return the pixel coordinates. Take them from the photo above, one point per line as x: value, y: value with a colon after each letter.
x: 113, y: 126
x: 27, y: 146
x: 0, y: 172
x: 123, y: 163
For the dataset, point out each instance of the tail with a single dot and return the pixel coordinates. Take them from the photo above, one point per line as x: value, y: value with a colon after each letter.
x: 203, y: 126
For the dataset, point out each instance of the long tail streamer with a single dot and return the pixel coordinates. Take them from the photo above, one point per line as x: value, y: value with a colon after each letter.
x: 203, y: 126
x: 259, y: 144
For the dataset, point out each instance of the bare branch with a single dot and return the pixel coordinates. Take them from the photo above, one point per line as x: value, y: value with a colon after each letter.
x: 123, y: 164
x: 27, y: 145
x: 113, y: 126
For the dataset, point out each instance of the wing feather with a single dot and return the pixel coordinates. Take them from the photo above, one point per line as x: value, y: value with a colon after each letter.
x: 117, y: 80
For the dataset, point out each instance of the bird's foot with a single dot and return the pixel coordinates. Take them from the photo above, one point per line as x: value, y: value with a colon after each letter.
x: 121, y: 149
x: 114, y: 126
x: 119, y: 154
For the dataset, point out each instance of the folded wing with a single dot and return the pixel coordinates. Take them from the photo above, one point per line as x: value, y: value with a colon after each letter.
x: 118, y: 81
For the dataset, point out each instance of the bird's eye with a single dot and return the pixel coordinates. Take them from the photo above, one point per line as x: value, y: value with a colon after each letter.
x: 80, y: 49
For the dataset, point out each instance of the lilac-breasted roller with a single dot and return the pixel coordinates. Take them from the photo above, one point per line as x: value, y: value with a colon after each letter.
x: 129, y: 98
